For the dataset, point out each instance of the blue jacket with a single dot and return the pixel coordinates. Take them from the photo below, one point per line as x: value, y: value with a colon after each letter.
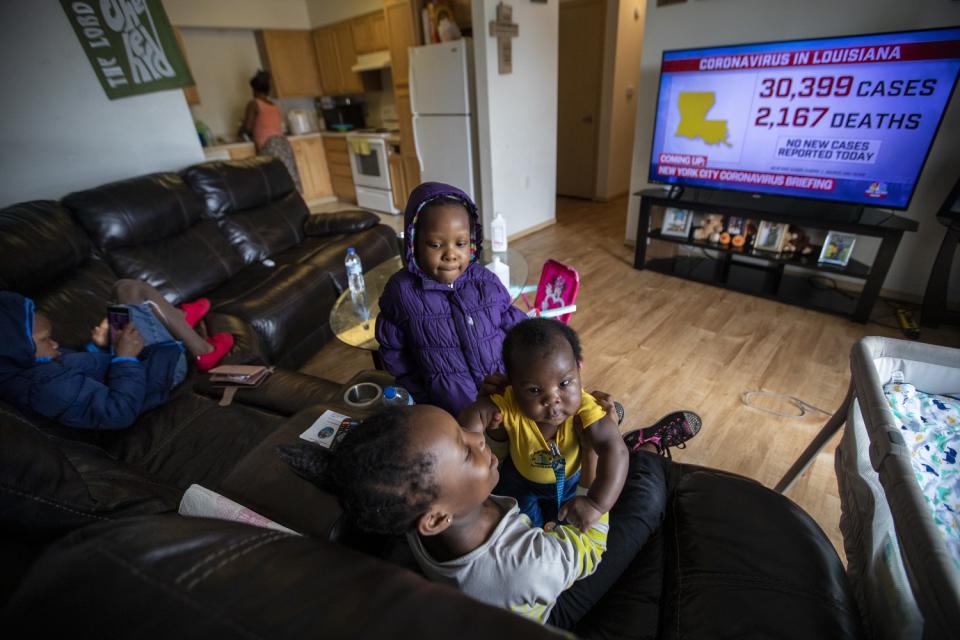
x: 91, y: 390
x: 439, y: 341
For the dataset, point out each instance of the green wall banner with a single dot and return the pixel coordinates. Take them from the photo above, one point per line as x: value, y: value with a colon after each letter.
x: 130, y: 44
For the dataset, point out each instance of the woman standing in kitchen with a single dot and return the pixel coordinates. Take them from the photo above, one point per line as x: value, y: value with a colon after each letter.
x: 263, y: 121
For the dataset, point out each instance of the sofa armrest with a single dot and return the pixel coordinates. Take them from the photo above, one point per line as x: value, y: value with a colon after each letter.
x: 329, y: 224
x: 175, y: 577
x: 733, y: 545
x: 284, y: 392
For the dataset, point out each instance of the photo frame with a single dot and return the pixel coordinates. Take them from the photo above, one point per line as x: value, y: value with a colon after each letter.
x: 677, y: 222
x: 771, y: 236
x: 837, y: 248
x: 735, y: 225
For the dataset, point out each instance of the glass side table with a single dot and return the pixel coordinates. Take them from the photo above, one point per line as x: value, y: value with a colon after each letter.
x: 356, y: 329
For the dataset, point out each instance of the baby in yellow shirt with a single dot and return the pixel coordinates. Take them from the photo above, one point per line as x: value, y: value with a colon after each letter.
x: 549, y: 435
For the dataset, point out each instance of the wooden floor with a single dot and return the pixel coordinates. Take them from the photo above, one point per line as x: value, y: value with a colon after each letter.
x: 659, y: 343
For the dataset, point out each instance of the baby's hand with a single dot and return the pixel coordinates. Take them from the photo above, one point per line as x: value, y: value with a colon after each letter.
x: 100, y: 334
x: 495, y: 383
x: 495, y: 423
x: 605, y: 400
x: 580, y: 511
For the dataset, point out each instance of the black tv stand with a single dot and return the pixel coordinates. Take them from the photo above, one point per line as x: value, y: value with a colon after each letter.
x: 765, y: 274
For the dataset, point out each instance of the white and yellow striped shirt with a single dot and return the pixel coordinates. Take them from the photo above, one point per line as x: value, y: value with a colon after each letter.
x: 520, y: 567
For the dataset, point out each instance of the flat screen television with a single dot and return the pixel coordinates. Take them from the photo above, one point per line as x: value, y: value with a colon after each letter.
x: 848, y: 119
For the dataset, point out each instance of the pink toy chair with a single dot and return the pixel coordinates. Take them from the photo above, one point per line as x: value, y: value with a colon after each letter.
x: 556, y: 292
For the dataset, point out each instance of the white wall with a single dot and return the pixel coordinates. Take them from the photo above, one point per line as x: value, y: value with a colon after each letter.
x: 222, y: 62
x: 717, y: 22
x: 60, y: 133
x: 324, y: 12
x: 517, y: 116
x: 622, y: 54
x: 240, y: 14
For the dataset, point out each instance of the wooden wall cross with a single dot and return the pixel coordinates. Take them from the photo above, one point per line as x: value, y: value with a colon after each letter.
x: 503, y: 28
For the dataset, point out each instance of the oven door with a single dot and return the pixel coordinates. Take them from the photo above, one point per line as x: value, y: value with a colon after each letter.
x: 368, y: 161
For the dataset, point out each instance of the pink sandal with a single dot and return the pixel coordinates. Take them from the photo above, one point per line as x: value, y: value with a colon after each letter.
x: 194, y: 311
x: 222, y: 343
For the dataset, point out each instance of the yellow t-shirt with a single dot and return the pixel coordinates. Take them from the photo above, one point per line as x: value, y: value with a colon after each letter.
x: 528, y: 448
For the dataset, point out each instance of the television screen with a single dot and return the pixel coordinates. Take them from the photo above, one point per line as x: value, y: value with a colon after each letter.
x: 846, y: 119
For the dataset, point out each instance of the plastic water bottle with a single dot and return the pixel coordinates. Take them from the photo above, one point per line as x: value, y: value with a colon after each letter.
x: 355, y: 281
x: 498, y: 233
x: 396, y: 397
x: 502, y: 270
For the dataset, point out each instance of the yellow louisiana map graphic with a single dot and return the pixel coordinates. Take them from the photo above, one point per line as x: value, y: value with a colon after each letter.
x: 694, y: 106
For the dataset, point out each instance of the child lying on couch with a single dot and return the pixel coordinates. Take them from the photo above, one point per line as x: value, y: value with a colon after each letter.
x: 102, y: 387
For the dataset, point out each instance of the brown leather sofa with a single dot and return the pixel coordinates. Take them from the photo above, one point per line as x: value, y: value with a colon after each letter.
x: 90, y: 544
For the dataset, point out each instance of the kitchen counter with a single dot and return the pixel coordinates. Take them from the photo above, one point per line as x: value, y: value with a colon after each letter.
x: 243, y: 148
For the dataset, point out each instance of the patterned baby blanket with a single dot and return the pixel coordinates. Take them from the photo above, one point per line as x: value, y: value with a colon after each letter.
x: 931, y: 429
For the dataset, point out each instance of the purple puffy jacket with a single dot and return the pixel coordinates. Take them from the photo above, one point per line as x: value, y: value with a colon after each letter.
x: 439, y: 341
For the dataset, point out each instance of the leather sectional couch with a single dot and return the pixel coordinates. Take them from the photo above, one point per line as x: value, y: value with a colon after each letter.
x: 90, y: 543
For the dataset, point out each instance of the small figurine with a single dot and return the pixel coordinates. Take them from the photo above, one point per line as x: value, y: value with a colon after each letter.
x: 710, y: 225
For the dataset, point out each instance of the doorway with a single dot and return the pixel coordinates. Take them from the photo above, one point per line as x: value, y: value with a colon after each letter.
x: 579, y: 82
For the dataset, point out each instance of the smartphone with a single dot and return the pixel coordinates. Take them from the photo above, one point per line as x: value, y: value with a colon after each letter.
x: 117, y: 317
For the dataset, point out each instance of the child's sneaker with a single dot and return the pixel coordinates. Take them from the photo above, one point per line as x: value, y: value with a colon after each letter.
x: 672, y: 430
x: 222, y: 343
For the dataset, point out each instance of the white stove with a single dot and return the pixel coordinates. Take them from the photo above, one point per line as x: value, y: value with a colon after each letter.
x: 370, y: 167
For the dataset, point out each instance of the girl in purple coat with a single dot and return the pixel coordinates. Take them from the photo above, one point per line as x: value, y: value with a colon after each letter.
x: 443, y: 318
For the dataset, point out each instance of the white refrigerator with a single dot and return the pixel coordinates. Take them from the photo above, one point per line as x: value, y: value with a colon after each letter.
x: 443, y: 105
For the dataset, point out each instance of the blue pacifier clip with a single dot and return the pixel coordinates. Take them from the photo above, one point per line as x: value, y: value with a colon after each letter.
x: 559, y: 466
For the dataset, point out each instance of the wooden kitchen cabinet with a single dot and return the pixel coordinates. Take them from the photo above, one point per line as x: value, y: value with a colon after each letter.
x: 312, y: 165
x: 408, y: 149
x: 369, y: 32
x: 402, y: 33
x: 335, y: 55
x: 338, y: 162
x: 411, y: 171
x: 405, y: 117
x: 290, y: 57
x: 325, y: 47
x: 398, y: 181
x: 350, y: 82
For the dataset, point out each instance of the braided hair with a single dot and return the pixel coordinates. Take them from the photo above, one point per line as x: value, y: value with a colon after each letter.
x: 378, y: 478
x: 538, y: 333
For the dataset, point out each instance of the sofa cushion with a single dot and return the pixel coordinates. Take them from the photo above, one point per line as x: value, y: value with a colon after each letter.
x: 39, y: 242
x: 181, y: 267
x: 151, y: 229
x: 77, y: 301
x: 255, y: 203
x: 234, y: 185
x: 70, y: 283
x: 49, y: 486
x: 373, y: 245
x: 136, y: 211
x: 286, y: 306
x: 328, y: 224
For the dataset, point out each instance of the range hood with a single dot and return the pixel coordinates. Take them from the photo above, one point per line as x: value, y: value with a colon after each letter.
x: 372, y: 61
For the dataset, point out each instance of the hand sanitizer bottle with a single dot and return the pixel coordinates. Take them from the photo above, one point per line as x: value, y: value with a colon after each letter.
x: 498, y: 234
